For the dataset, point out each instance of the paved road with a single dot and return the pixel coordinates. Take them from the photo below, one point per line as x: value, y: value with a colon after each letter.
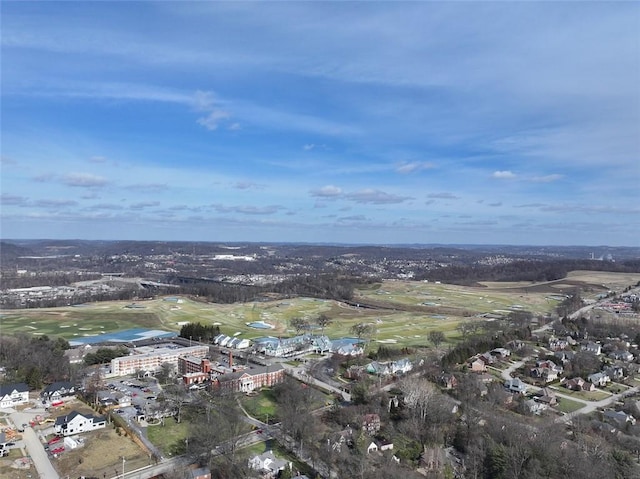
x: 34, y: 446
x: 300, y: 373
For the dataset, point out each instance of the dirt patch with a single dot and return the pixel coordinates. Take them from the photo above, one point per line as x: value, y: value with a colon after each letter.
x: 101, y: 456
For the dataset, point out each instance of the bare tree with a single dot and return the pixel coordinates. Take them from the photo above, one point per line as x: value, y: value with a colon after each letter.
x: 362, y: 330
x: 166, y: 373
x: 436, y: 338
x: 299, y: 324
x: 323, y: 321
x: 418, y: 395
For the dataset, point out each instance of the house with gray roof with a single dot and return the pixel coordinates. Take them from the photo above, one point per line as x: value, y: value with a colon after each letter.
x: 12, y: 395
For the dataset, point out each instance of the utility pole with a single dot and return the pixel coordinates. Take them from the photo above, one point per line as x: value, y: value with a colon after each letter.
x: 123, y: 467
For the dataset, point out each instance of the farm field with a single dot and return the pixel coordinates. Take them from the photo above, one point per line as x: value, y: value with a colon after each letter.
x: 403, y: 312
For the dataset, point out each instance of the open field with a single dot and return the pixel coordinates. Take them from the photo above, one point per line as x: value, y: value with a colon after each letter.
x: 568, y: 405
x: 404, y: 313
x: 102, y: 455
x: 168, y: 436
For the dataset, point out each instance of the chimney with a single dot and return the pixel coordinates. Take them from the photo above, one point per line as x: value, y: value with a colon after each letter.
x: 230, y: 360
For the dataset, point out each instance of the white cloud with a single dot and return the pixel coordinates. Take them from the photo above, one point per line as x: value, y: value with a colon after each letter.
x: 547, y: 178
x: 328, y: 191
x: 506, y: 174
x: 412, y: 167
x: 213, y: 119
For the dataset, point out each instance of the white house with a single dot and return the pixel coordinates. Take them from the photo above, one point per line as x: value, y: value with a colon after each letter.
x: 75, y: 423
x: 12, y: 395
x: 599, y: 379
x: 268, y: 464
x: 515, y: 385
x: 592, y: 347
x: 57, y: 390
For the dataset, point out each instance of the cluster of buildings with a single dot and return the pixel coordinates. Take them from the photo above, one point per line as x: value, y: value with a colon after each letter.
x: 228, y: 377
x: 307, y: 343
x: 231, y: 342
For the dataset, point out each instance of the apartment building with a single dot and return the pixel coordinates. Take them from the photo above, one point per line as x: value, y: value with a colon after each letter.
x: 150, y: 359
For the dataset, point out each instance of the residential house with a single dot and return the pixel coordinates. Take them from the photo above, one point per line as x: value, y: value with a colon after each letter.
x: 448, y: 381
x: 75, y: 423
x: 557, y: 344
x: 386, y: 446
x: 477, y: 366
x: 57, y: 391
x: 616, y: 373
x: 268, y: 464
x: 487, y: 358
x: 618, y: 418
x: 564, y: 356
x: 515, y: 385
x: 200, y: 473
x: 546, y: 363
x: 547, y: 375
x: 401, y: 366
x: 579, y: 384
x: 12, y: 395
x: 372, y: 447
x: 547, y: 396
x: 621, y: 355
x: 76, y: 355
x: 535, y: 407
x: 339, y: 439
x: 371, y: 424
x: 500, y: 353
x: 599, y: 379
x: 592, y: 347
x: 354, y: 371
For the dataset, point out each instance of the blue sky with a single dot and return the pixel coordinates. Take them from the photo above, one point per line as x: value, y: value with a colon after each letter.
x: 387, y: 122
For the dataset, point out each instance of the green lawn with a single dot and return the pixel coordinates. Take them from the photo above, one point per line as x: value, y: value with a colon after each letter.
x: 567, y: 405
x: 616, y: 388
x: 262, y: 407
x: 404, y: 328
x: 168, y: 436
x: 586, y: 395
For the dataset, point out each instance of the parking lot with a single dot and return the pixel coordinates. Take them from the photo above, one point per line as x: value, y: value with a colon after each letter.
x: 129, y: 396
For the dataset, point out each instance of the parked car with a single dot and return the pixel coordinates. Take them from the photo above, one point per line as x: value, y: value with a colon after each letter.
x: 54, y: 440
x: 57, y: 450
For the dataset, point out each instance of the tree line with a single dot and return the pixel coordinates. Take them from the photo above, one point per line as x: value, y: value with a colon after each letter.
x: 199, y: 331
x: 35, y: 360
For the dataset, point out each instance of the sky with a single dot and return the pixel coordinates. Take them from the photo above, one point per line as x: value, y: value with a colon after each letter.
x: 322, y: 122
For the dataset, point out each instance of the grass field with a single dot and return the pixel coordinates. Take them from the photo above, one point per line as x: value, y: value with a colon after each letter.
x: 408, y: 311
x: 567, y: 405
x: 168, y: 436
